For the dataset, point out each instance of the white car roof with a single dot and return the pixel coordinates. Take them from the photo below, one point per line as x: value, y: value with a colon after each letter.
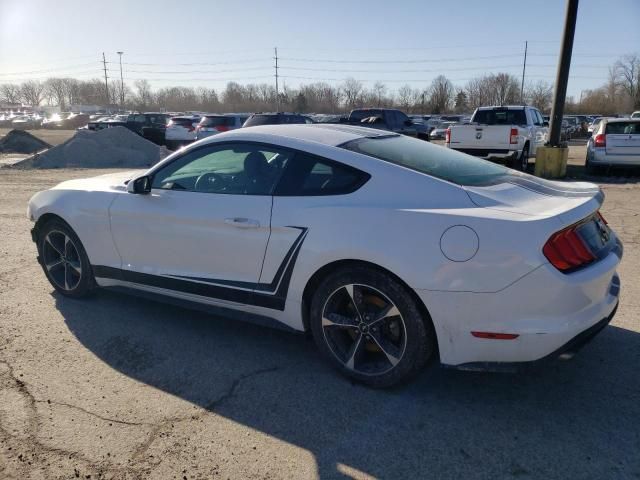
x: 625, y: 120
x: 327, y: 134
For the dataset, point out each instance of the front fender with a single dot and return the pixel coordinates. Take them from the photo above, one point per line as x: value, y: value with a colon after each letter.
x: 87, y: 213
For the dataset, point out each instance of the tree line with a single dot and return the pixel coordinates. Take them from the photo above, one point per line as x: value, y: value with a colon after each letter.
x: 620, y: 93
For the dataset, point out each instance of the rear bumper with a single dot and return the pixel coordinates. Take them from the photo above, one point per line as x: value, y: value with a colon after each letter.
x: 565, y: 352
x: 490, y: 154
x: 545, y: 309
x: 599, y: 156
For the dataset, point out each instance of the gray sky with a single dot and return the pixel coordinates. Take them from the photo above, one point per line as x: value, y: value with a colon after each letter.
x: 208, y: 43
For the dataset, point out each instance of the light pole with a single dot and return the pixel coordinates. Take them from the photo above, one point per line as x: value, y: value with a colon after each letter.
x: 121, y: 83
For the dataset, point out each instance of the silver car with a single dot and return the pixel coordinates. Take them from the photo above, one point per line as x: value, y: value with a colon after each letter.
x: 614, y: 142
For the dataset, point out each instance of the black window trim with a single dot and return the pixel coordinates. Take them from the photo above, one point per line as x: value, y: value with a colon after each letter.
x: 365, y: 175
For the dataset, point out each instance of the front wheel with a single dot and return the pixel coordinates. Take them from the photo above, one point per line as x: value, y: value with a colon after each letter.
x: 64, y: 260
x: 370, y: 327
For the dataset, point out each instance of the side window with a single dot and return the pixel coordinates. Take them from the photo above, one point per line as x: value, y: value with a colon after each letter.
x: 233, y: 169
x: 307, y: 175
x: 401, y: 118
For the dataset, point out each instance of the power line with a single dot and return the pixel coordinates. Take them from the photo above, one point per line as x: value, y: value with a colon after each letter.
x: 195, y: 64
x: 430, y: 60
x: 175, y: 72
x: 70, y: 67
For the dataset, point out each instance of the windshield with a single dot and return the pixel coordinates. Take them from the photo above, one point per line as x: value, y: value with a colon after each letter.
x: 433, y: 160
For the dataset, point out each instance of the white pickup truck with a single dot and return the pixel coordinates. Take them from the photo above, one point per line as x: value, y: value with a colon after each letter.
x: 509, y: 134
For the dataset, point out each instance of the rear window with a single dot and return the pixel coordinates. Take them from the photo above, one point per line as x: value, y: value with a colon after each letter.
x: 500, y: 117
x: 359, y: 115
x: 261, y: 120
x: 217, y: 121
x: 621, y: 128
x: 436, y: 161
x: 183, y: 122
x: 273, y: 120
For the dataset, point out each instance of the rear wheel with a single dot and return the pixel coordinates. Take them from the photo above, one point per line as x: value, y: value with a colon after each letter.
x: 522, y: 162
x: 64, y: 259
x: 370, y: 327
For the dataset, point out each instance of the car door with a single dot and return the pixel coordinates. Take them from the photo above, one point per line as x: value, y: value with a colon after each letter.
x: 204, y: 226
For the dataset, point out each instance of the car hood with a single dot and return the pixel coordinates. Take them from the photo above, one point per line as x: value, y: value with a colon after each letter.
x: 532, y: 196
x: 101, y: 183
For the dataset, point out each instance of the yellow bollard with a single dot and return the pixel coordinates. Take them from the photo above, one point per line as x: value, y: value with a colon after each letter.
x: 551, y: 162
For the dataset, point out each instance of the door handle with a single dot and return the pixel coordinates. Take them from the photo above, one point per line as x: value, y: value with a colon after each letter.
x: 242, y: 222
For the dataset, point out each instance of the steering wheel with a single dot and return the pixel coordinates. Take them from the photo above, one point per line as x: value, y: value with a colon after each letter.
x: 210, y: 182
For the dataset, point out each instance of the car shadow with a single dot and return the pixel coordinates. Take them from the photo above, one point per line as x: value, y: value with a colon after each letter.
x: 574, y: 419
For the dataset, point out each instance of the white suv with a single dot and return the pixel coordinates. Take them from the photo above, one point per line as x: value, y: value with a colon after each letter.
x: 214, y: 124
x: 181, y: 131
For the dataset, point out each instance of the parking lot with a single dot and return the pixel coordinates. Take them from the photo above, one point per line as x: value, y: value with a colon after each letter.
x: 120, y: 387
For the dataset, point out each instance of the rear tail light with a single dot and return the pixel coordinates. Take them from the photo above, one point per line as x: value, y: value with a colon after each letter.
x: 222, y: 128
x: 447, y: 135
x: 600, y: 140
x: 567, y: 251
x: 513, y: 136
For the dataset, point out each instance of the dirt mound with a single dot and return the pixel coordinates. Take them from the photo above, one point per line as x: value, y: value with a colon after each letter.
x: 20, y: 141
x: 109, y: 148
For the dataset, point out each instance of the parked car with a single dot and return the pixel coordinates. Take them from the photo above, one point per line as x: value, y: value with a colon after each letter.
x: 391, y: 251
x: 510, y: 134
x: 150, y: 125
x: 635, y: 114
x: 276, y: 119
x: 616, y: 142
x: 180, y: 131
x: 439, y: 132
x: 593, y: 126
x: 214, y: 124
x: 387, y: 119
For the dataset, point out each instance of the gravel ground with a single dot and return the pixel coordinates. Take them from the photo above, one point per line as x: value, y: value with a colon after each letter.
x: 119, y: 387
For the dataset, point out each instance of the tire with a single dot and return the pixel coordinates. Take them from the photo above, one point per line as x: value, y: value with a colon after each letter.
x: 384, y: 341
x: 522, y: 162
x: 591, y: 168
x: 64, y: 259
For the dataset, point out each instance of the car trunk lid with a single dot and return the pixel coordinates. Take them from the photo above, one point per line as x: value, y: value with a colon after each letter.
x: 527, y: 195
x: 623, y: 138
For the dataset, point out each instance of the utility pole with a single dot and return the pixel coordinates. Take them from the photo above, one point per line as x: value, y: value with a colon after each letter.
x: 121, y: 84
x: 562, y: 77
x: 106, y: 84
x: 524, y: 69
x: 277, y: 90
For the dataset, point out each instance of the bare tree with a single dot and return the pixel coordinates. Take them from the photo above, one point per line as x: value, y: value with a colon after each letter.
x: 352, y: 90
x: 56, y: 90
x: 379, y: 90
x: 505, y: 88
x: 10, y: 93
x: 32, y: 92
x: 628, y: 75
x: 540, y: 95
x: 144, y: 96
x: 441, y: 94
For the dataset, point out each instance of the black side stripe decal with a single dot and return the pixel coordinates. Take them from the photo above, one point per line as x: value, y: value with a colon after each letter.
x: 269, y: 295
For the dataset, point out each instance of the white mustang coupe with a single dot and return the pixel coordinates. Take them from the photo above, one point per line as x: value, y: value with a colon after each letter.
x: 391, y: 251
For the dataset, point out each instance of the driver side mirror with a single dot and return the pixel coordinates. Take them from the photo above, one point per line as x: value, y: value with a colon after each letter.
x: 408, y: 123
x: 140, y: 185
